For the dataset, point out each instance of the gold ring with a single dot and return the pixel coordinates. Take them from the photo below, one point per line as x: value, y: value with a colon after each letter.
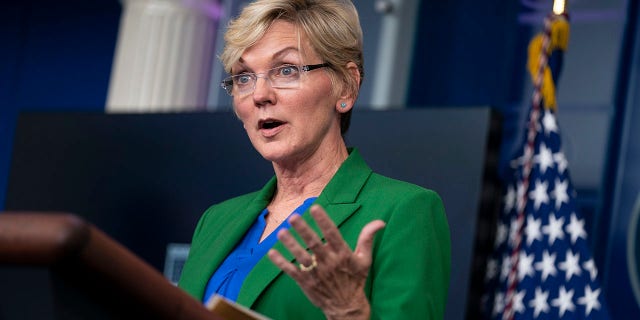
x: 314, y: 264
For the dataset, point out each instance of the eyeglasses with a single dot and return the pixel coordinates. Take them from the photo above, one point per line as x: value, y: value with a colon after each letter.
x: 283, y: 77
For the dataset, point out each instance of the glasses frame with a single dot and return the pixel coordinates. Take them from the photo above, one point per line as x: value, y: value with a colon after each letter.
x: 227, y: 83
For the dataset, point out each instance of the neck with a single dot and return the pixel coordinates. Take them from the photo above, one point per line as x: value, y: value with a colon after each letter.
x: 307, y: 178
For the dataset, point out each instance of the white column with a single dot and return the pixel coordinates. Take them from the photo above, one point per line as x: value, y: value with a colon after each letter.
x: 391, y: 78
x: 163, y: 56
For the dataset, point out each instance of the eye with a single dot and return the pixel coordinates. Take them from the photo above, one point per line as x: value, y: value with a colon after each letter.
x: 287, y: 71
x: 242, y: 79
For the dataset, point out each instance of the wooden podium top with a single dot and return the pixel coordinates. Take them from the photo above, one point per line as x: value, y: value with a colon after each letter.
x: 89, y: 261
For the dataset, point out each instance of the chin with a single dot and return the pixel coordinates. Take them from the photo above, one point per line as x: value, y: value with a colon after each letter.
x: 275, y: 154
x: 271, y: 152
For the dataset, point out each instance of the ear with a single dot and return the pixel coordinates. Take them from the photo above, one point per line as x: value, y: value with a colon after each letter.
x: 349, y: 95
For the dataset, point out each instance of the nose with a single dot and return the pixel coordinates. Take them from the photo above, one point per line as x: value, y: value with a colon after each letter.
x: 263, y: 93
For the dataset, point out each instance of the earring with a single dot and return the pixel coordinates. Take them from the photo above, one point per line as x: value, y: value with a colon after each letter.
x: 343, y: 105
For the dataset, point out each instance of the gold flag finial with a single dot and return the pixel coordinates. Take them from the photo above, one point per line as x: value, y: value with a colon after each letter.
x: 559, y: 6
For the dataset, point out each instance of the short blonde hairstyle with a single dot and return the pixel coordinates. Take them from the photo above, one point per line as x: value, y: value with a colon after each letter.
x: 332, y: 28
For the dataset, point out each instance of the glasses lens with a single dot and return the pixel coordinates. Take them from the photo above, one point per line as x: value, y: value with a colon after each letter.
x: 286, y: 76
x: 227, y: 85
x: 244, y: 83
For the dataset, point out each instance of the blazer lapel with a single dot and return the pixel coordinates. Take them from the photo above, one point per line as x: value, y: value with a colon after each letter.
x: 338, y: 199
x: 227, y: 231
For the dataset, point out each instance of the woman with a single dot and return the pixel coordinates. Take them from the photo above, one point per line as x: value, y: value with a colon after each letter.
x: 369, y: 246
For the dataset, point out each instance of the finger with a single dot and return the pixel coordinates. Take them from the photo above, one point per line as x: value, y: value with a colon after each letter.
x: 284, y: 264
x: 303, y: 279
x: 329, y: 229
x: 365, y: 241
x: 294, y: 247
x: 307, y: 234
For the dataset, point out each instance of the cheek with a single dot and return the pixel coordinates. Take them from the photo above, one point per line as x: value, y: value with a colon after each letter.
x: 242, y: 111
x: 319, y: 98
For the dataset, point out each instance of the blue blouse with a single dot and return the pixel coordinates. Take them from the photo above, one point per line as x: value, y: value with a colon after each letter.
x: 228, y: 279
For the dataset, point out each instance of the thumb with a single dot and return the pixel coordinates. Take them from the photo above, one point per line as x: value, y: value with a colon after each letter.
x: 365, y: 240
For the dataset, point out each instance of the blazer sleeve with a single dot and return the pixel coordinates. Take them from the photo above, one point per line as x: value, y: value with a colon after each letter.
x: 411, y: 261
x: 187, y: 281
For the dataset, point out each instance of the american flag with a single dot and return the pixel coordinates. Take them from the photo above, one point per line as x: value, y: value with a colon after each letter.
x: 541, y: 267
x: 555, y: 275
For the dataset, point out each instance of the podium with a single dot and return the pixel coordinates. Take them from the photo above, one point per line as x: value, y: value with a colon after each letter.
x: 92, y: 276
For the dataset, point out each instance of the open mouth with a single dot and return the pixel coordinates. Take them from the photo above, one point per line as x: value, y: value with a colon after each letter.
x: 270, y: 124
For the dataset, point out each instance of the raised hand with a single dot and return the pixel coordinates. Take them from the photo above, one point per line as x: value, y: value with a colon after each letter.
x: 330, y: 274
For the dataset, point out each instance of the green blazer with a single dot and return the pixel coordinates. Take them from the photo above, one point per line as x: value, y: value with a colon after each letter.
x: 409, y: 275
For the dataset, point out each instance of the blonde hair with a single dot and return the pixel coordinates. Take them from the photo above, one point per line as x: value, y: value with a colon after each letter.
x: 332, y: 28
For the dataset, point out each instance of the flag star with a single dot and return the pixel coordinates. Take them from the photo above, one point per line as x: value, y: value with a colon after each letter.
x: 560, y: 192
x: 571, y: 265
x: 501, y: 234
x: 518, y: 305
x: 554, y: 229
x: 498, y: 303
x: 590, y: 266
x: 576, y: 228
x: 492, y: 269
x: 509, y: 199
x: 539, y: 195
x: 544, y: 158
x: 527, y: 153
x: 532, y: 230
x: 505, y: 267
x: 539, y: 302
x: 561, y: 161
x: 525, y: 265
x: 563, y: 302
x: 547, y: 265
x: 590, y: 300
x: 549, y: 123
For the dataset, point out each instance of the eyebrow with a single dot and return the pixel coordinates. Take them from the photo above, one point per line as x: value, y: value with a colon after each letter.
x: 276, y: 55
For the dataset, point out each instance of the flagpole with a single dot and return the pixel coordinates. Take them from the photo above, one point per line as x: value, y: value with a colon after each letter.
x: 559, y: 12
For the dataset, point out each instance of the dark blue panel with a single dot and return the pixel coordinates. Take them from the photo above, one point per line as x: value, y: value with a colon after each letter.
x: 622, y: 275
x: 12, y: 28
x: 463, y: 52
